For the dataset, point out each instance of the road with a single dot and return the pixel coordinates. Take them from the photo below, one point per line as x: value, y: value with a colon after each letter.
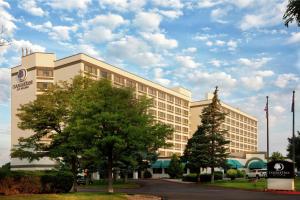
x: 178, y: 191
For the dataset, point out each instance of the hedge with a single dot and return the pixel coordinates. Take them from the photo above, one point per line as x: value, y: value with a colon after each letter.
x: 203, y: 177
x: 34, y: 182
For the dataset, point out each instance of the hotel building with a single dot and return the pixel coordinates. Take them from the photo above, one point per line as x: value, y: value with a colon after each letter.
x: 242, y: 127
x: 38, y: 71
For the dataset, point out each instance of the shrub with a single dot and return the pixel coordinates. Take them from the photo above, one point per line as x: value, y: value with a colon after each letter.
x: 232, y: 173
x: 240, y: 174
x: 190, y: 178
x: 147, y: 174
x: 56, y: 182
x: 175, y: 169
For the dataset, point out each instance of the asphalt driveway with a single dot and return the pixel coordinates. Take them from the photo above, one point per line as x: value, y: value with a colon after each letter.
x: 178, y: 191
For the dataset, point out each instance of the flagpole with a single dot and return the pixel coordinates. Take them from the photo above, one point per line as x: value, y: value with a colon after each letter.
x: 267, y: 114
x: 293, y: 110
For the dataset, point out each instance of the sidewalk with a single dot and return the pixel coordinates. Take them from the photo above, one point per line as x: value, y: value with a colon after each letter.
x: 177, y: 181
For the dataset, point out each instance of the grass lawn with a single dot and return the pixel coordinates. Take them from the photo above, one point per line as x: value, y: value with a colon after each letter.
x: 69, y: 196
x: 116, y: 184
x: 261, y: 184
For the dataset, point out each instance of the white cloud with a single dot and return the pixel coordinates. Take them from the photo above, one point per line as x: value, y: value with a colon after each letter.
x: 220, y: 43
x: 295, y: 38
x: 6, y: 19
x: 147, y: 21
x: 4, y: 144
x: 4, y: 85
x: 218, y: 15
x: 279, y: 109
x: 30, y: 6
x: 111, y: 21
x: 209, y: 43
x: 267, y: 14
x: 265, y: 73
x: 208, y: 3
x: 215, y: 62
x: 160, y: 40
x: 221, y: 79
x: 172, y: 14
x: 254, y: 83
x: 190, y: 50
x: 159, y: 77
x: 243, y: 3
x: 98, y: 35
x: 89, y: 50
x: 17, y: 46
x: 122, y: 5
x: 55, y: 32
x: 70, y: 4
x: 135, y: 51
x: 284, y: 79
x: 176, y: 4
x: 187, y: 62
x: 232, y: 45
x: 254, y: 63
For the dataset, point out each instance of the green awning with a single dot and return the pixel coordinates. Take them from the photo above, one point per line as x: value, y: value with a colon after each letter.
x: 258, y: 165
x: 165, y: 163
x: 157, y: 164
x: 234, y: 164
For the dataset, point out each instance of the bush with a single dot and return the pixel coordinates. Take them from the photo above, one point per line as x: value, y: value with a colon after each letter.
x: 190, y: 178
x: 20, y: 182
x: 147, y: 174
x: 241, y: 174
x: 232, y: 174
x: 175, y: 169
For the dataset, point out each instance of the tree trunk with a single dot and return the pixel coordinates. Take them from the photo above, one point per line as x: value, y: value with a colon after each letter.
x: 110, y: 180
x: 74, y: 172
x: 212, y: 174
x: 126, y: 177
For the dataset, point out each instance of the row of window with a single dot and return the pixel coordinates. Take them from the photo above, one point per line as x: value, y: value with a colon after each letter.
x: 239, y: 131
x: 240, y: 117
x: 169, y: 108
x: 239, y: 124
x: 44, y: 72
x: 42, y: 86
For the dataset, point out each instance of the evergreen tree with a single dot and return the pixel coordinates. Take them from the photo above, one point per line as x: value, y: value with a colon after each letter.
x: 212, y: 118
x: 297, y: 149
x: 207, y: 146
x: 175, y: 169
x: 292, y: 13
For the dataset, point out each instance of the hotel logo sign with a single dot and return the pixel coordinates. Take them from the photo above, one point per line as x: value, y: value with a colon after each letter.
x: 280, y: 169
x: 21, y: 78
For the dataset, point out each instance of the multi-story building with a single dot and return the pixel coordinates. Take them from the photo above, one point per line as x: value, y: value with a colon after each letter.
x: 38, y: 71
x: 242, y: 127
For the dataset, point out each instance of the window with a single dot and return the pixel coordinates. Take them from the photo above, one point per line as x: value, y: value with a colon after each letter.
x: 184, y: 139
x: 185, y: 129
x: 170, y: 98
x: 157, y: 170
x: 161, y: 105
x: 161, y: 95
x: 170, y: 108
x: 119, y: 80
x: 161, y: 115
x: 177, y: 119
x: 105, y: 74
x: 45, y: 72
x: 177, y: 110
x: 177, y: 146
x: 177, y: 137
x: 130, y: 83
x: 154, y: 103
x: 177, y: 128
x: 152, y: 91
x: 90, y: 69
x: 41, y: 86
x: 142, y: 88
x: 185, y: 113
x: 152, y: 112
x: 185, y: 103
x: 170, y: 117
x: 177, y: 101
x: 185, y: 121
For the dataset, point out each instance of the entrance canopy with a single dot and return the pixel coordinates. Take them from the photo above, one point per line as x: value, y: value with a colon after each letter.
x: 235, y: 164
x: 258, y: 165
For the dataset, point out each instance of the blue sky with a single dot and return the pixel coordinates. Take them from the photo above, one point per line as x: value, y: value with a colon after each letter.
x: 240, y: 45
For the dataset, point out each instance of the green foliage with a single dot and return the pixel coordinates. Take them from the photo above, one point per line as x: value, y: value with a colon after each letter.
x: 241, y: 174
x: 232, y: 173
x: 175, y: 169
x: 277, y: 156
x: 297, y: 149
x: 207, y: 146
x: 190, y: 178
x: 16, y: 182
x: 292, y: 13
x: 147, y: 174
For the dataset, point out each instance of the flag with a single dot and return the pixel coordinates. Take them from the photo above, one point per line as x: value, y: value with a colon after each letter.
x: 293, y: 102
x: 267, y: 108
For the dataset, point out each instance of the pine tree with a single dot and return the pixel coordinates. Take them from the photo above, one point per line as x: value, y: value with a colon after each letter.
x: 212, y: 118
x: 207, y: 146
